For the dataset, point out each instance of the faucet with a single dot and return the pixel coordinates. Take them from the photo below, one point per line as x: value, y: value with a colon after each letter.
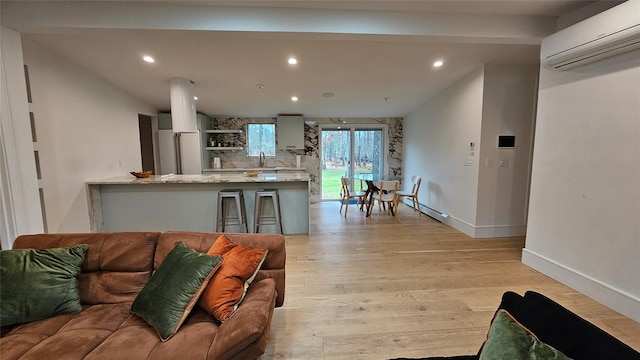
x: 262, y: 159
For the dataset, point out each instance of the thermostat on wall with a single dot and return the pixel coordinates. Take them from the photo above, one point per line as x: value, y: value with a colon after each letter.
x: 506, y: 141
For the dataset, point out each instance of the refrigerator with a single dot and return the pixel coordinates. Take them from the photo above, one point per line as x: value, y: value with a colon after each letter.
x: 179, y: 153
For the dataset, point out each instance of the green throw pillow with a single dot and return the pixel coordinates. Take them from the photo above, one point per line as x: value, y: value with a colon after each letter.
x: 37, y: 284
x: 508, y: 339
x: 173, y: 290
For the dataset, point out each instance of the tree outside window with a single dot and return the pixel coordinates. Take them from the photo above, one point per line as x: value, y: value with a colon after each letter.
x: 261, y: 137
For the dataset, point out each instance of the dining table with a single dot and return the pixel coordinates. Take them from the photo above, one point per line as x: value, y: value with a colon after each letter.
x: 371, y: 181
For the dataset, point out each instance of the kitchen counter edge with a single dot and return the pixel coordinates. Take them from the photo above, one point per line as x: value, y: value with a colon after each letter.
x: 204, y: 179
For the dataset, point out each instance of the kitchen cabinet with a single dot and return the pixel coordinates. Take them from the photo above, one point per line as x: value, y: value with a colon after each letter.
x: 290, y: 132
x: 165, y: 121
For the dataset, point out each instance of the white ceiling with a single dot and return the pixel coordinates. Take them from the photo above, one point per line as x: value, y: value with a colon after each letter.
x: 375, y: 56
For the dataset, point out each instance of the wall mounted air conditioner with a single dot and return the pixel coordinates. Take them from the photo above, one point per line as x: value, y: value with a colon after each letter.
x: 609, y: 33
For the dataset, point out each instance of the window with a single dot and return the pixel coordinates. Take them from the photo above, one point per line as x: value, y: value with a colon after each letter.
x: 261, y: 137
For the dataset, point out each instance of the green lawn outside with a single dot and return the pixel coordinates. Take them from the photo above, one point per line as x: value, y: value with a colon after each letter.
x: 331, y: 182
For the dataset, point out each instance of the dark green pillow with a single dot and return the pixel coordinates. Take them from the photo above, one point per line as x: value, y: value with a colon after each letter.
x: 508, y: 339
x: 37, y: 284
x: 173, y: 290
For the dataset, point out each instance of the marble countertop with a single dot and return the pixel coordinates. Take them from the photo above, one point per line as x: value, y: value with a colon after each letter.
x: 204, y: 179
x: 263, y: 169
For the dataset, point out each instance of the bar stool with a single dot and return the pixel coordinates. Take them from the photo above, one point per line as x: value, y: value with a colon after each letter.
x: 258, y: 216
x: 224, y: 196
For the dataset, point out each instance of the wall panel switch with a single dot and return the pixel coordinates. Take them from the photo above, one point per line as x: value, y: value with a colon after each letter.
x: 504, y: 162
x: 468, y: 161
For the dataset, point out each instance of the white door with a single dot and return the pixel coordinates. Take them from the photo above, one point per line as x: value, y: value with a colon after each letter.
x: 356, y: 152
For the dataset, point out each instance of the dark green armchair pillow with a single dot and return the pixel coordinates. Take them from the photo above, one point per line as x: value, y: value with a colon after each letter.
x: 37, y: 284
x: 508, y: 339
x: 167, y: 299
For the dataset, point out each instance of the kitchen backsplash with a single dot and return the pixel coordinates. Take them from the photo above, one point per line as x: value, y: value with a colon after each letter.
x: 310, y: 159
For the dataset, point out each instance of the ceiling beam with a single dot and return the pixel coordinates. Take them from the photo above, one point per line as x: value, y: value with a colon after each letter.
x: 56, y: 16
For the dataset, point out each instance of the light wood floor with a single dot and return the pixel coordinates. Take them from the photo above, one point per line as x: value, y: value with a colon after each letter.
x: 357, y: 289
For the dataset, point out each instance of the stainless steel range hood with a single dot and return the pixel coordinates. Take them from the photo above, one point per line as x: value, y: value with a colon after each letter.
x: 183, y: 106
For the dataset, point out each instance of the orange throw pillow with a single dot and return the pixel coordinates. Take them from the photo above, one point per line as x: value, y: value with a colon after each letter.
x: 228, y: 286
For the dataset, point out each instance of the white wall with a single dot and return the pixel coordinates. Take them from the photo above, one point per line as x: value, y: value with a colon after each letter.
x: 87, y: 130
x: 483, y: 199
x: 584, y: 217
x: 509, y: 100
x: 436, y: 142
x: 19, y: 196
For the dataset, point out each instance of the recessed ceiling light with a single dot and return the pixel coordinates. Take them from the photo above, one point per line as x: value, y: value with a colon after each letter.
x: 148, y: 59
x: 438, y: 63
x: 292, y: 61
x: 328, y: 94
x: 195, y: 98
x: 294, y: 98
x: 260, y: 86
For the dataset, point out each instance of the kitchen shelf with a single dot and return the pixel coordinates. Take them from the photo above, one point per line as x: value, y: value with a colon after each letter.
x: 224, y: 131
x: 223, y: 148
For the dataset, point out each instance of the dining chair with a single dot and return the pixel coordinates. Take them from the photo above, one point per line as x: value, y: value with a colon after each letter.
x: 413, y: 194
x: 387, y: 194
x: 348, y: 194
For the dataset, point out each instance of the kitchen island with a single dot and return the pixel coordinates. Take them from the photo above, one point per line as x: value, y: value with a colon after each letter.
x: 189, y: 202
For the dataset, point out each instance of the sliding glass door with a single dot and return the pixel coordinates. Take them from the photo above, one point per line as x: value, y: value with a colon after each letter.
x: 352, y: 151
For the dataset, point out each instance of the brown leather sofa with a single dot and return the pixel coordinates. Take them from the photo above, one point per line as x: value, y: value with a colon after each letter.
x: 117, y: 266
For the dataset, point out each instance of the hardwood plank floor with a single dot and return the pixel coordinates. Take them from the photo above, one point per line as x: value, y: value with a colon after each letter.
x: 357, y: 289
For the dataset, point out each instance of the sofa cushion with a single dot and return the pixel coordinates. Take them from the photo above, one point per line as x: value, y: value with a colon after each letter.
x: 71, y: 335
x: 229, y: 285
x: 507, y: 339
x: 37, y: 284
x: 116, y: 267
x: 174, y: 288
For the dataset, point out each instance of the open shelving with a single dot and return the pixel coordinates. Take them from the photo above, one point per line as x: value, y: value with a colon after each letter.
x: 223, y: 148
x: 223, y: 131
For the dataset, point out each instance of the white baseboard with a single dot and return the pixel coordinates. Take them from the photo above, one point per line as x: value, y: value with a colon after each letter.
x: 487, y: 231
x: 482, y: 231
x: 618, y: 300
x: 462, y: 226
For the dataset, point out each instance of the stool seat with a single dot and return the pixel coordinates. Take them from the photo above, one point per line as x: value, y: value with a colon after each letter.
x: 259, y: 217
x: 223, y: 217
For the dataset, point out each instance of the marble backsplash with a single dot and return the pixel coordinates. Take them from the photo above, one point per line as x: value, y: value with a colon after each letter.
x: 310, y: 155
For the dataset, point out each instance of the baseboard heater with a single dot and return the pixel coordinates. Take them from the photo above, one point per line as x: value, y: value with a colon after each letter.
x: 440, y: 216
